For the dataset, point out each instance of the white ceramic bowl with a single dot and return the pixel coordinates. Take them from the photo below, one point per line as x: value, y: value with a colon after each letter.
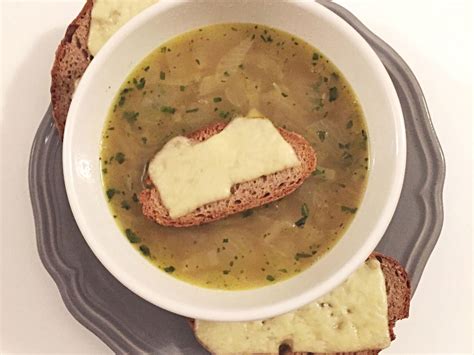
x: 306, y: 19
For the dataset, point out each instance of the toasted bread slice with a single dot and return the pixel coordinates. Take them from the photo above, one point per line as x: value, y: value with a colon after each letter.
x: 397, y: 286
x: 72, y: 59
x: 245, y: 195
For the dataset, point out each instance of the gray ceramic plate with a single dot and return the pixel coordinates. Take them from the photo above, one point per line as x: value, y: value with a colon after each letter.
x: 127, y: 323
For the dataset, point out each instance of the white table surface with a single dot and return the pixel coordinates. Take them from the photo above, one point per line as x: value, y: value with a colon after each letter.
x: 434, y: 37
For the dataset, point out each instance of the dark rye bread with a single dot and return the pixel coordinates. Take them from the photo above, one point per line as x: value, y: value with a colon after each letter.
x: 72, y: 59
x: 397, y: 285
x: 245, y: 195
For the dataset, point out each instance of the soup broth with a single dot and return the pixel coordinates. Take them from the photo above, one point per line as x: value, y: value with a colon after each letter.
x: 217, y: 73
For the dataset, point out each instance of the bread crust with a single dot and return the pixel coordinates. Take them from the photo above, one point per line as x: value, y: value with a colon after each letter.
x: 71, y: 61
x: 398, y: 288
x: 245, y: 195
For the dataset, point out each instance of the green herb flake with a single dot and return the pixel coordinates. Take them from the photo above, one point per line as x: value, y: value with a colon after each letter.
x: 333, y: 94
x: 319, y: 172
x: 284, y: 94
x: 283, y: 270
x: 135, y: 197
x: 145, y: 250
x: 225, y: 240
x: 225, y: 272
x: 348, y: 209
x: 364, y: 134
x: 125, y: 205
x: 344, y: 146
x: 104, y: 171
x: 322, y: 135
x: 110, y: 193
x: 162, y: 75
x: 224, y: 114
x: 346, y: 155
x: 144, y: 140
x: 226, y: 73
x: 146, y: 68
x: 247, y: 213
x: 139, y: 84
x: 304, y: 210
x: 270, y: 278
x: 301, y: 222
x: 163, y: 49
x: 241, y: 66
x: 349, y: 124
x: 198, y: 62
x: 168, y: 109
x: 315, y: 56
x: 192, y: 110
x: 169, y: 269
x: 217, y: 99
x: 120, y: 157
x: 125, y: 91
x: 131, y: 236
x: 304, y: 216
x: 121, y: 101
x: 130, y: 116
x: 302, y: 255
x: 182, y: 88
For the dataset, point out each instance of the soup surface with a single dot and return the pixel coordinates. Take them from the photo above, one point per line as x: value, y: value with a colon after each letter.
x: 217, y: 73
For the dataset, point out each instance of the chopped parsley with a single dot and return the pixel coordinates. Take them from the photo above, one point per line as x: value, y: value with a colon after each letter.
x: 364, y: 134
x: 225, y: 240
x: 182, y: 88
x: 145, y: 250
x: 168, y: 109
x: 304, y: 216
x: 302, y: 255
x: 319, y: 171
x: 162, y: 75
x: 192, y: 110
x: 270, y: 278
x: 131, y: 236
x: 217, y: 99
x: 349, y: 124
x: 315, y: 56
x: 348, y: 209
x: 110, y: 193
x: 247, y: 213
x: 226, y: 73
x: 125, y: 205
x: 130, y: 116
x: 139, y: 84
x: 120, y: 157
x: 169, y: 269
x: 224, y: 114
x: 225, y: 272
x: 267, y: 39
x: 198, y: 62
x: 121, y: 101
x: 333, y: 94
x: 284, y: 94
x: 135, y: 197
x: 322, y: 135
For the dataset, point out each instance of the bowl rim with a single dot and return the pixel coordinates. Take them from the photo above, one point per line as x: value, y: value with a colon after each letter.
x: 250, y: 313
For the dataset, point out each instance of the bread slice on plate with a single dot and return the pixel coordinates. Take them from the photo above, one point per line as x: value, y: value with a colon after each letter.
x: 72, y: 59
x: 245, y: 195
x: 397, y: 288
